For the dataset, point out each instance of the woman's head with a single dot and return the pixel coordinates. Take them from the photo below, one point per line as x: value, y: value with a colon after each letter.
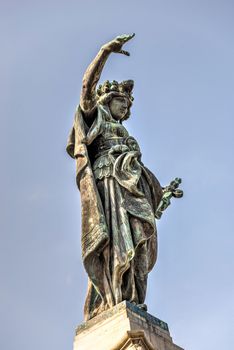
x: 118, y: 97
x: 119, y: 107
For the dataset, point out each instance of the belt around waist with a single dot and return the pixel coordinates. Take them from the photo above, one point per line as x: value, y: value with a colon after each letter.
x: 107, y: 144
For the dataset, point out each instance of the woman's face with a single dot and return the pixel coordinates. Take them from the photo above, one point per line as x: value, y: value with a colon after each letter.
x: 118, y: 107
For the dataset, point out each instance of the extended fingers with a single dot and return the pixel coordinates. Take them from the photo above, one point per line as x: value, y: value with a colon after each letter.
x: 124, y: 52
x: 125, y: 37
x: 129, y: 37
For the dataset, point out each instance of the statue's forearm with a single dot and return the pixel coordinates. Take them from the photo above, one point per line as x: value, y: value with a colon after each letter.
x: 90, y: 80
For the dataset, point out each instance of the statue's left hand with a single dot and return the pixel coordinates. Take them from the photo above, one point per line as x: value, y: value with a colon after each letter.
x: 116, y: 44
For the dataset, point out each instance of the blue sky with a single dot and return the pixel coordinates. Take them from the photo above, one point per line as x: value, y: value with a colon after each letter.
x: 182, y: 64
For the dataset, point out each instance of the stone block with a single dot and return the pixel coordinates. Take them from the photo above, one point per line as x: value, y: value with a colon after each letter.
x: 124, y: 327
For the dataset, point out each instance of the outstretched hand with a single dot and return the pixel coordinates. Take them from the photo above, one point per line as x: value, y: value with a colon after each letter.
x: 116, y: 44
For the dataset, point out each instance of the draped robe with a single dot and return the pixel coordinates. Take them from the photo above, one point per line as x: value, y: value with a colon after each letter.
x: 119, y: 198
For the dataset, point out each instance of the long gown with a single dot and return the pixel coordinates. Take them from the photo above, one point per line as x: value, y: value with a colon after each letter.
x: 129, y: 195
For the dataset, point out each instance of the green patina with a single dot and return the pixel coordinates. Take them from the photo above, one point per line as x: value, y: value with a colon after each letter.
x: 120, y: 196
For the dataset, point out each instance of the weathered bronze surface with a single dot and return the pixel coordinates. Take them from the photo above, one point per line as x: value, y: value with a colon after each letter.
x: 120, y: 197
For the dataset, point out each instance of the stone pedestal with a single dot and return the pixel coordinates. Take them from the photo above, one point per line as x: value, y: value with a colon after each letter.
x: 124, y: 327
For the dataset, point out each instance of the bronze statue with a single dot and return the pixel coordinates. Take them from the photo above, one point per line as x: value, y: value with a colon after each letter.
x: 120, y: 197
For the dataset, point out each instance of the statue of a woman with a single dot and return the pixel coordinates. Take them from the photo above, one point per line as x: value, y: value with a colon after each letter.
x: 119, y: 195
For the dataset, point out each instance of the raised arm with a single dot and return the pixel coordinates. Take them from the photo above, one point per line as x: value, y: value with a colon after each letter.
x: 94, y: 70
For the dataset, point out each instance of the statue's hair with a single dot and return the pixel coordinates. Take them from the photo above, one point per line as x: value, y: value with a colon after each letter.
x: 109, y: 90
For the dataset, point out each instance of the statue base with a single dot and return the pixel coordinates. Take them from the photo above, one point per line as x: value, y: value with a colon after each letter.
x: 124, y: 327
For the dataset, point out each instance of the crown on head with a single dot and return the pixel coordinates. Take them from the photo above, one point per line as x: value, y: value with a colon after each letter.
x: 123, y: 88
